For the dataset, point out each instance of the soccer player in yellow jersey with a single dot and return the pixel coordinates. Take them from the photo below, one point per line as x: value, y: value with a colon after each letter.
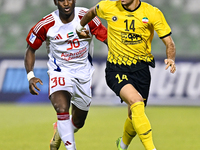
x: 131, y: 25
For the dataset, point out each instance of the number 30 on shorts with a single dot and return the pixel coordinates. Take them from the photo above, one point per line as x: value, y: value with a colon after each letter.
x: 120, y: 79
x: 58, y: 81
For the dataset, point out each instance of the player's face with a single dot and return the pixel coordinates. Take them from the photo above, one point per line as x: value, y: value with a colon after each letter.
x: 127, y: 2
x: 66, y: 7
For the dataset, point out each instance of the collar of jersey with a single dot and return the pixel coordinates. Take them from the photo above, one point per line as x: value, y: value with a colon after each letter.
x: 132, y: 10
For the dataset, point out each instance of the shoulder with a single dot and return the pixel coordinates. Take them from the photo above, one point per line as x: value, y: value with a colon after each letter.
x: 109, y: 2
x: 45, y: 22
x: 149, y: 8
x: 80, y: 11
x: 104, y: 4
x: 81, y: 8
x: 152, y: 12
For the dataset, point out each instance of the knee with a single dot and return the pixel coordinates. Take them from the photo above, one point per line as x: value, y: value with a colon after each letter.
x: 135, y: 100
x: 78, y: 123
x: 61, y: 101
x: 60, y: 108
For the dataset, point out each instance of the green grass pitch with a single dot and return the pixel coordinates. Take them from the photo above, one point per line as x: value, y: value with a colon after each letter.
x: 29, y: 127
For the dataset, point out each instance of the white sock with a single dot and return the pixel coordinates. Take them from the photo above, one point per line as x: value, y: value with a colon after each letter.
x: 122, y: 145
x: 66, y: 131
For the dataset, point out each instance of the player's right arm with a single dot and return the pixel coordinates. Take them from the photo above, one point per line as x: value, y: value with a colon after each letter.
x: 35, y: 38
x: 29, y: 61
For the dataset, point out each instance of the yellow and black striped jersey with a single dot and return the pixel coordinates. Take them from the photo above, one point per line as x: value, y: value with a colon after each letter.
x: 130, y: 33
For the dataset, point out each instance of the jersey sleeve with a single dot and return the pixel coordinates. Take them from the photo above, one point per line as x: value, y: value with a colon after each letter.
x: 98, y: 29
x: 160, y: 24
x: 100, y: 7
x: 34, y: 40
x: 38, y: 33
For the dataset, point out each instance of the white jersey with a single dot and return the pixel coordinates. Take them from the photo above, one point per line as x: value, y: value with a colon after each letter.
x: 65, y: 49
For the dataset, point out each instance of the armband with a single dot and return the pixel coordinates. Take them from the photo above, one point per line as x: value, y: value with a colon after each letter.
x: 79, y: 27
x: 30, y: 75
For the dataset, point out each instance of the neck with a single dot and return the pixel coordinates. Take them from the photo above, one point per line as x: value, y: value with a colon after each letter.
x: 132, y: 6
x: 66, y: 18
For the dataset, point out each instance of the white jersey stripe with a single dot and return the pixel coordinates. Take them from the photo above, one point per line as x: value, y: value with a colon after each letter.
x: 42, y: 23
x: 96, y: 21
x: 47, y: 19
x: 81, y: 14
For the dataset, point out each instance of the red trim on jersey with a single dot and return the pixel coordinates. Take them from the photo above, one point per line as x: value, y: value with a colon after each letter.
x: 96, y: 27
x: 40, y: 31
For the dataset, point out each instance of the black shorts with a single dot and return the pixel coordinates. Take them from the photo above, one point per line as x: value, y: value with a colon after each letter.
x: 139, y: 79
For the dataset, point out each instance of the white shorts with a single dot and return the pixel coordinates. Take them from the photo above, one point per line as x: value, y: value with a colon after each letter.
x: 80, y: 91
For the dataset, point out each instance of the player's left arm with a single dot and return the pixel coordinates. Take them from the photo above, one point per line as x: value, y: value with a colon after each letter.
x: 170, y: 53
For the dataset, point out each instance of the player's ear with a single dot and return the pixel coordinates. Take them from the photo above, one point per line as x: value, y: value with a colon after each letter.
x: 56, y: 2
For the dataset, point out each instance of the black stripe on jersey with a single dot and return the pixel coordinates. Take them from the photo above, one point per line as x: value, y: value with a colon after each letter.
x: 166, y: 35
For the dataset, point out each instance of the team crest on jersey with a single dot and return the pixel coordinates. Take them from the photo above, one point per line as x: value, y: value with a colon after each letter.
x: 32, y: 38
x: 145, y: 20
x: 114, y: 18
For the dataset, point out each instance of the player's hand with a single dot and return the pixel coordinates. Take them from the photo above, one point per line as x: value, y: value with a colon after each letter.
x: 33, y: 86
x: 170, y: 63
x: 83, y: 34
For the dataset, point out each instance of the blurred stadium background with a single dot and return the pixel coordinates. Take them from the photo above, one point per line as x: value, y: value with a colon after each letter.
x: 182, y: 88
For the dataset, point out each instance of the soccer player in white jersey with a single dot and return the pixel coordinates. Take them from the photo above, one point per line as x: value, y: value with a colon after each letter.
x: 69, y: 66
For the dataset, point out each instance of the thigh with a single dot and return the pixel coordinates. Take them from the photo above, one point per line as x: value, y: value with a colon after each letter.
x: 61, y: 101
x: 60, y: 81
x: 130, y: 95
x: 130, y: 86
x: 82, y: 95
x: 116, y: 80
x: 143, y: 79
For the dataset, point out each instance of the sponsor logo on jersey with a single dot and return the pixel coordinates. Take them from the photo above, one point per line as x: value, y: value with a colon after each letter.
x: 145, y: 20
x: 32, y: 38
x: 130, y: 15
x: 67, y: 143
x: 58, y: 37
x: 70, y: 56
x: 131, y: 38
